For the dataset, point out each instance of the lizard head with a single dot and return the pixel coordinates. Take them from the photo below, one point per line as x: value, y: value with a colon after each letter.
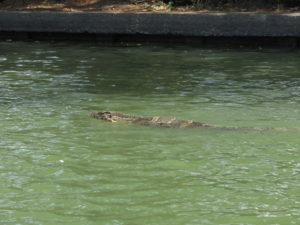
x: 111, y: 116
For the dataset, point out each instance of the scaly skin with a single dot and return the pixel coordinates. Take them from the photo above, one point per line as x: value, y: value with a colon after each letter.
x: 113, y: 116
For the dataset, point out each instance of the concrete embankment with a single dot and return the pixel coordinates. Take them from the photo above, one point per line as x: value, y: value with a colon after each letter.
x: 282, y: 29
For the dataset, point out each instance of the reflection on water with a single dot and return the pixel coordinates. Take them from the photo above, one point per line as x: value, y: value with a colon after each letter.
x: 58, y: 166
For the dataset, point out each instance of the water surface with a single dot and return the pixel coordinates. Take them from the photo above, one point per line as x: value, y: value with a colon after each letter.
x: 58, y: 166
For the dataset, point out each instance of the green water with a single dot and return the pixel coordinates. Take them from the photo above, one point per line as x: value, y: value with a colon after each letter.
x: 59, y: 166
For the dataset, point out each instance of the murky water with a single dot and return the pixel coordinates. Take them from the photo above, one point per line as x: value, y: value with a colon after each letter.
x: 59, y: 166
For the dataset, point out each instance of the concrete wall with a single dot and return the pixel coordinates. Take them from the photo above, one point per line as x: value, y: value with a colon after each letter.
x: 175, y: 24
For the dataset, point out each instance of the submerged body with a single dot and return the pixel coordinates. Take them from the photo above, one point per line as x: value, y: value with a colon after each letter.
x: 113, y: 116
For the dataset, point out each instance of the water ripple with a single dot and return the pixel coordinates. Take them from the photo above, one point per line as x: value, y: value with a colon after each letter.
x: 59, y: 166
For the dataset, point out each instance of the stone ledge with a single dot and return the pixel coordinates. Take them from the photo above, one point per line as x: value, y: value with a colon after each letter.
x: 171, y: 24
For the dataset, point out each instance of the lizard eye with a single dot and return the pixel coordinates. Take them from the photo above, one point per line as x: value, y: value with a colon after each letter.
x: 106, y: 114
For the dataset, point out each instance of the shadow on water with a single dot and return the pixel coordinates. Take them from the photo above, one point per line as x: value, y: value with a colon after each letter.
x: 152, y: 71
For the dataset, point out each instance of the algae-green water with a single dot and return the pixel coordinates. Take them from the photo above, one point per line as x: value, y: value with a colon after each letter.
x: 59, y: 166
